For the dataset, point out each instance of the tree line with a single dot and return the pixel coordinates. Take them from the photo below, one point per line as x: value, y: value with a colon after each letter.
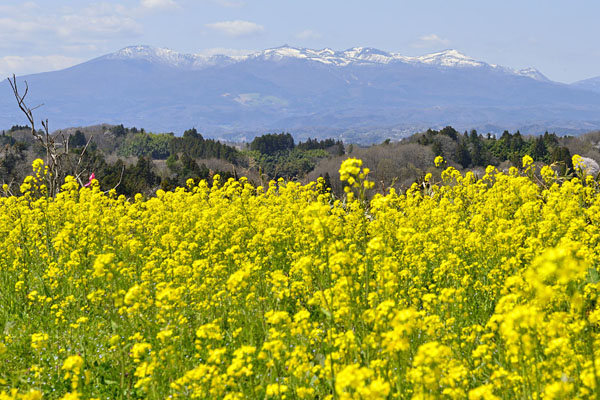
x: 471, y: 149
x: 133, y: 160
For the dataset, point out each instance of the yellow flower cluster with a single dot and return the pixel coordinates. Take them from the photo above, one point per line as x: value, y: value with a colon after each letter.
x: 470, y: 288
x: 355, y: 177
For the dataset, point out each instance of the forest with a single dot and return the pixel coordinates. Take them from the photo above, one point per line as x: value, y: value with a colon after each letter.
x: 132, y: 160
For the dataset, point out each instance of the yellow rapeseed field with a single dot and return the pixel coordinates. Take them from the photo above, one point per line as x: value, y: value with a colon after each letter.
x: 468, y: 288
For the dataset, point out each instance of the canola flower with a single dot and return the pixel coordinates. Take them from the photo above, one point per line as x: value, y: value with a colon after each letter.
x: 468, y: 288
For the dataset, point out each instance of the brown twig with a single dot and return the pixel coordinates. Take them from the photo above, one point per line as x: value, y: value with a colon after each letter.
x: 120, y: 179
x: 55, y: 159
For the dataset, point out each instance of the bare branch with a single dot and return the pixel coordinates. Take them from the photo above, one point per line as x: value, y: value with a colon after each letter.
x: 65, y: 142
x: 58, y: 162
x: 85, y: 148
x: 120, y: 180
x: 80, y: 158
x: 21, y: 100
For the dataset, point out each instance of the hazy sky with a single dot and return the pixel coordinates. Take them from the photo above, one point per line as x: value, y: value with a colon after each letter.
x: 559, y: 38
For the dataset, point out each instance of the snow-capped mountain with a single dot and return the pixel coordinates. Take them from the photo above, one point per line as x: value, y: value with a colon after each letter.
x: 367, y: 56
x: 448, y: 58
x: 354, y: 56
x: 169, y: 57
x: 532, y: 73
x: 362, y: 93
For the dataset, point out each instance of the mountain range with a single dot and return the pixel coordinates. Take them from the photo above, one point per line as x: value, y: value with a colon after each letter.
x: 360, y: 94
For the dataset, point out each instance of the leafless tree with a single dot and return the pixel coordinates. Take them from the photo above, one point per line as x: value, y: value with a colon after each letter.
x: 58, y: 160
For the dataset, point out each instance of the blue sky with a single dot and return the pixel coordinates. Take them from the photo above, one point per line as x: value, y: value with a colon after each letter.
x: 559, y: 38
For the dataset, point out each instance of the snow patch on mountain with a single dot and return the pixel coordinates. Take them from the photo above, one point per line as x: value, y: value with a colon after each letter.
x: 449, y: 58
x: 354, y: 56
x: 170, y: 57
x: 532, y: 73
x: 154, y: 54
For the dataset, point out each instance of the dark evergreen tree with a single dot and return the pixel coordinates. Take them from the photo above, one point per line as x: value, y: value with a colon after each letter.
x: 476, y: 145
x: 436, y: 147
x: 450, y: 132
x: 15, y: 128
x: 195, y: 146
x: 272, y: 143
x: 562, y: 157
x: 77, y: 139
x: 119, y: 130
x: 193, y: 133
x: 550, y: 140
x: 463, y: 157
x: 538, y: 150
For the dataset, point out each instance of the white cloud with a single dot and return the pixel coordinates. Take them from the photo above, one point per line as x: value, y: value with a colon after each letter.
x: 237, y: 28
x: 102, y: 26
x: 7, y: 9
x: 99, y: 20
x: 32, y: 64
x: 159, y: 4
x: 97, y: 23
x: 14, y: 27
x: 81, y: 47
x: 431, y: 40
x: 308, y: 34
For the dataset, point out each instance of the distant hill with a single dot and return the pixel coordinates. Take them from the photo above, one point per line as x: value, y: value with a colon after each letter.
x: 589, y: 84
x: 361, y: 94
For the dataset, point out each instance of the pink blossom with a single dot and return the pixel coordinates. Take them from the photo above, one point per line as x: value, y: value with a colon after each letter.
x: 92, y: 177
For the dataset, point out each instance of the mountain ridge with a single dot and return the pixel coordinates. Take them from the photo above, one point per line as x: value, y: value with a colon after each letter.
x: 592, y: 84
x: 354, y: 55
x: 361, y: 94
